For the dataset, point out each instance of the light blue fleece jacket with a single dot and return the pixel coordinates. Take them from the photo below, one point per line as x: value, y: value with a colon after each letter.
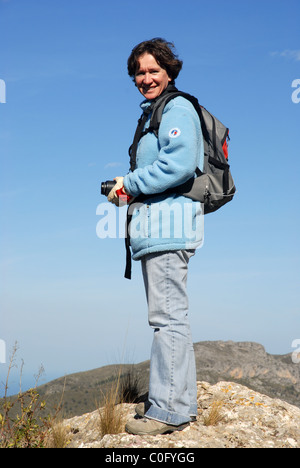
x: 167, y: 222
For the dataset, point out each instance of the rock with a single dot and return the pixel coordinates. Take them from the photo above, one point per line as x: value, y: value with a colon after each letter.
x: 230, y: 416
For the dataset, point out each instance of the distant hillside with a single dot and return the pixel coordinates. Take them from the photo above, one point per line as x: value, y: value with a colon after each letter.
x: 246, y: 363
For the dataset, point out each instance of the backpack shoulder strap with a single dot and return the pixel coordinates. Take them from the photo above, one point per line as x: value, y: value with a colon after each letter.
x: 159, y: 106
x: 137, y: 136
x: 163, y: 101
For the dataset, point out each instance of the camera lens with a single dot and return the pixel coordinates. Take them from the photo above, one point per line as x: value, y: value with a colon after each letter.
x: 107, y: 186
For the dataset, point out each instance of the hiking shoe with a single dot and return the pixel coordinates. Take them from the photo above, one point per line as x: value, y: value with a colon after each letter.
x: 147, y: 426
x: 143, y: 407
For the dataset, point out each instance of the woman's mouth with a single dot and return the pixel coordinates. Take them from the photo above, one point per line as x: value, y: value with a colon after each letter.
x: 149, y: 89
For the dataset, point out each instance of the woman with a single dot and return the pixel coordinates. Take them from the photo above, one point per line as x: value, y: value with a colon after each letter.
x: 165, y: 231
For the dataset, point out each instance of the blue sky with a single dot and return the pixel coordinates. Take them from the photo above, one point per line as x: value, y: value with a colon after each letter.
x: 66, y: 125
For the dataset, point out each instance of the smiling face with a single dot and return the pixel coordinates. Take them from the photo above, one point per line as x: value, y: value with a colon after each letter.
x: 151, y: 80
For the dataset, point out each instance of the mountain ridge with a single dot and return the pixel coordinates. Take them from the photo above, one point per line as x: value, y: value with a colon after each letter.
x: 246, y: 363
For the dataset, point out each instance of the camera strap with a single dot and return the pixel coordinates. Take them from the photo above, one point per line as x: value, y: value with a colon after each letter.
x: 128, y: 266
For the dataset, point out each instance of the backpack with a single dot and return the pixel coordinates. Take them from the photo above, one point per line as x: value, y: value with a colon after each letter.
x: 214, y: 187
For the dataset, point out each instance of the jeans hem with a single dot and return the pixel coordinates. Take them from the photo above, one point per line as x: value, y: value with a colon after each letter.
x: 193, y: 410
x: 167, y: 417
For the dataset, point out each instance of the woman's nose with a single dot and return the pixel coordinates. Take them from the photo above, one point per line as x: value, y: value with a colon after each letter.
x: 147, y: 78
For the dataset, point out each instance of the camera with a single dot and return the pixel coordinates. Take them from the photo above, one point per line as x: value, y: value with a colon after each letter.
x: 120, y: 193
x: 107, y: 186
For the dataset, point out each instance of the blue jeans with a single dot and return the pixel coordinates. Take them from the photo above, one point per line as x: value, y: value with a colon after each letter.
x: 172, y: 386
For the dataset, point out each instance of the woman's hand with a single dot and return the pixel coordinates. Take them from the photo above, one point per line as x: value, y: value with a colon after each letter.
x: 118, y: 195
x: 113, y: 196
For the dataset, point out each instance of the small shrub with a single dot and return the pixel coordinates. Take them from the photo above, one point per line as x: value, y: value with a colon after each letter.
x: 26, y: 429
x: 29, y: 426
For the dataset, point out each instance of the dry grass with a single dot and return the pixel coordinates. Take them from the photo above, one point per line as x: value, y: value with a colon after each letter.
x: 129, y: 387
x: 58, y: 436
x: 215, y: 414
x: 111, y: 415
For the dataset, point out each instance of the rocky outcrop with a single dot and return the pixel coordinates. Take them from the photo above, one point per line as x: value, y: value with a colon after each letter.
x: 230, y: 416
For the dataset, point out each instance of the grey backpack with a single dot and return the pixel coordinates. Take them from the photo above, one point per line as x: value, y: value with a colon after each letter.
x: 214, y: 187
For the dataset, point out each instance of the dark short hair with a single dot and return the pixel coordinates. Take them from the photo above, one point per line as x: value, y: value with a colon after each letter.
x: 162, y: 51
